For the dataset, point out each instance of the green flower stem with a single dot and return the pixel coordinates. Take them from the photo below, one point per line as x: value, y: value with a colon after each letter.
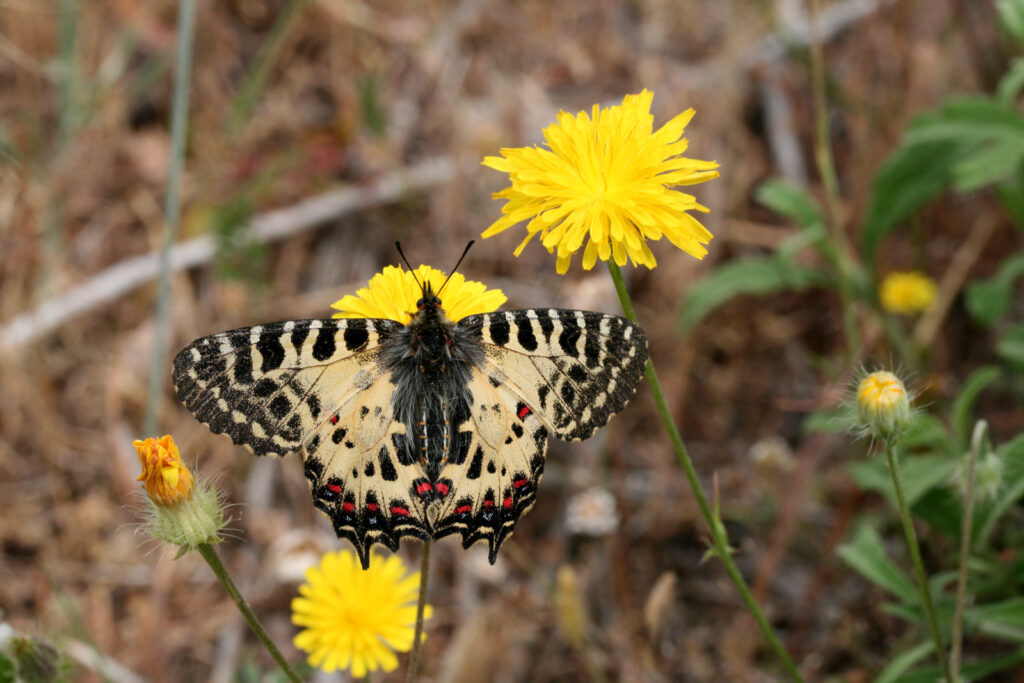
x: 978, y: 446
x: 172, y: 209
x: 830, y: 180
x: 915, y: 556
x: 414, y: 659
x: 717, y: 529
x: 210, y: 555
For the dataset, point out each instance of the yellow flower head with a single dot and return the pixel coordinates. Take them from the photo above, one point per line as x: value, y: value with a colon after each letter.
x: 393, y: 294
x: 605, y: 180
x: 166, y: 478
x: 906, y: 293
x: 355, y: 619
x: 883, y: 404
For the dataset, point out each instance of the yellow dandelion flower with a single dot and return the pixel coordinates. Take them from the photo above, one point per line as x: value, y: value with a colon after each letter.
x: 393, y: 294
x: 166, y: 478
x: 354, y: 619
x: 906, y: 293
x: 883, y: 404
x: 606, y: 180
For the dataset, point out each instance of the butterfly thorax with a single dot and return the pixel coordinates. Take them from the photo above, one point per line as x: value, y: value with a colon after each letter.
x: 430, y: 360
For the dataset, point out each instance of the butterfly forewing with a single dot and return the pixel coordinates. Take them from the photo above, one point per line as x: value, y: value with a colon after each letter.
x: 575, y: 368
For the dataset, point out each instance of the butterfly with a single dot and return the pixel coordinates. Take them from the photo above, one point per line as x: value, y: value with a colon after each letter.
x: 426, y: 429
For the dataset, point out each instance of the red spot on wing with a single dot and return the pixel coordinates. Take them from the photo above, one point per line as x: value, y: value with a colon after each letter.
x: 348, y: 507
x: 336, y: 488
x: 463, y: 509
x: 372, y: 507
x: 334, y: 419
x: 424, y: 486
x: 508, y: 501
x: 395, y: 510
x: 441, y: 488
x: 524, y: 410
x: 488, y: 503
x: 520, y: 483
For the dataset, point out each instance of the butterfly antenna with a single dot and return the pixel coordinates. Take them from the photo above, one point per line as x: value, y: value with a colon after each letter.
x: 398, y: 246
x: 457, y: 264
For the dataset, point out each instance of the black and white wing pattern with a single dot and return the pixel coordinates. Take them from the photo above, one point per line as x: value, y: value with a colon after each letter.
x: 423, y: 430
x: 316, y: 387
x: 544, y: 371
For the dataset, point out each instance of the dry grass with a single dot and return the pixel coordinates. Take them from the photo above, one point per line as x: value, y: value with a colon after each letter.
x: 457, y: 80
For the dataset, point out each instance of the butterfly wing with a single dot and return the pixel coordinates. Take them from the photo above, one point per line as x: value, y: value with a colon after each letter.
x: 543, y: 371
x: 575, y: 369
x: 314, y: 386
x: 493, y: 481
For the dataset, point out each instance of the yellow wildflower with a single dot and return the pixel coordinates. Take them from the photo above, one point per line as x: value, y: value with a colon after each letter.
x: 166, y: 478
x: 605, y: 180
x: 393, y: 294
x: 354, y: 619
x: 883, y: 404
x: 906, y: 293
x: 182, y: 511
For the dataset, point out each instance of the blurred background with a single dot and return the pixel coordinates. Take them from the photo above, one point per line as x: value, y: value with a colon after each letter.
x: 320, y: 132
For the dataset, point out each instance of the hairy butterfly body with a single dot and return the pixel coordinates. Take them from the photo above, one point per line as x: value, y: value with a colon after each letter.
x: 426, y: 429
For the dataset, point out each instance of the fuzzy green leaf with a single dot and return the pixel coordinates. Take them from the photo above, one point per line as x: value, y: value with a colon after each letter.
x: 790, y: 200
x: 989, y: 300
x: 964, y: 404
x: 866, y: 554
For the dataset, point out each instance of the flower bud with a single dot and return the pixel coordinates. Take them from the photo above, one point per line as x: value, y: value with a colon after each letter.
x: 883, y: 405
x: 181, y: 511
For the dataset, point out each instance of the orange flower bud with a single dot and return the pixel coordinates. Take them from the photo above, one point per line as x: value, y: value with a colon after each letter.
x: 166, y: 478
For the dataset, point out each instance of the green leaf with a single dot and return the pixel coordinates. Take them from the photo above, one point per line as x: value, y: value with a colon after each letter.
x: 790, y: 200
x: 925, y: 433
x: 1012, y: 81
x: 993, y: 162
x: 1011, y: 16
x: 1003, y: 619
x: 1011, y: 345
x: 749, y: 276
x: 866, y: 554
x: 894, y: 671
x: 921, y: 473
x: 964, y: 404
x: 940, y: 508
x: 975, y: 671
x: 986, y: 517
x: 1011, y: 198
x: 910, y: 177
x: 988, y: 300
x: 7, y: 671
x: 966, y: 120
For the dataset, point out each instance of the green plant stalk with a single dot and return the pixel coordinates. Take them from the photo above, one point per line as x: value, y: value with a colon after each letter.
x: 172, y: 208
x: 421, y: 603
x: 915, y: 556
x: 829, y: 178
x: 978, y: 443
x: 212, y: 559
x: 715, y: 526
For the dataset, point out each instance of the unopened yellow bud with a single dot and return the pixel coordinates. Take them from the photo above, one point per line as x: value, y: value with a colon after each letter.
x: 182, y: 511
x: 166, y: 478
x: 883, y: 404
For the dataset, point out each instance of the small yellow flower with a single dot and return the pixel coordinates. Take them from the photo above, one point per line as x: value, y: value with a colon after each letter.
x: 906, y: 293
x: 393, y: 294
x: 166, y: 478
x: 605, y: 180
x: 182, y: 511
x: 883, y: 404
x: 354, y: 619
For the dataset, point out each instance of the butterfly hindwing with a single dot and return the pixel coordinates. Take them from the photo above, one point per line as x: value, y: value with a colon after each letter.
x: 496, y: 477
x: 360, y: 474
x: 574, y: 368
